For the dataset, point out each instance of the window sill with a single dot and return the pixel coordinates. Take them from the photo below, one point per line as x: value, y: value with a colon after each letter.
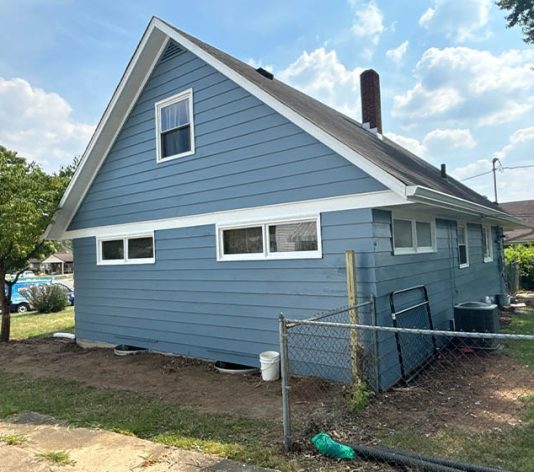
x: 123, y: 262
x: 161, y: 160
x: 270, y: 257
x: 463, y: 266
x: 405, y: 251
x: 488, y: 259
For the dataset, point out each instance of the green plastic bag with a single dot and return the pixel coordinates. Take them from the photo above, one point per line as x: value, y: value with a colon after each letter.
x: 330, y: 448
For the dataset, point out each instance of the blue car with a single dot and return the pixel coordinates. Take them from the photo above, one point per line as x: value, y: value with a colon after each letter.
x: 20, y: 304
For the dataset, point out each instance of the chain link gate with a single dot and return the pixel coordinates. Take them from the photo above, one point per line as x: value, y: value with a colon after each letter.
x: 460, y: 391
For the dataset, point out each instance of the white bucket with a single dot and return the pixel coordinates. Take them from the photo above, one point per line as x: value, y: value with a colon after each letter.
x: 270, y: 365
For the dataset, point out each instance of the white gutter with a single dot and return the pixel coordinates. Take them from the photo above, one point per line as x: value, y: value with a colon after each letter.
x: 416, y: 193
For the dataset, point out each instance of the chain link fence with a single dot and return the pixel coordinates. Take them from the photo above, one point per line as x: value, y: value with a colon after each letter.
x: 429, y: 393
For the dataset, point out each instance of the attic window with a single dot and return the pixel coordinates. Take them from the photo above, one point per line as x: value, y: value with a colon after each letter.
x: 174, y: 127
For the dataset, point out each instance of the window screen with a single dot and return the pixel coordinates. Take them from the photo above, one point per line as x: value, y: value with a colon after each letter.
x: 243, y: 240
x: 113, y: 250
x: 140, y: 248
x: 403, y: 237
x: 293, y: 237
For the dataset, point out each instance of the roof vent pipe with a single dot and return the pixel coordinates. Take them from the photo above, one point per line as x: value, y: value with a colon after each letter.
x: 443, y: 171
x: 265, y: 73
x: 371, y: 108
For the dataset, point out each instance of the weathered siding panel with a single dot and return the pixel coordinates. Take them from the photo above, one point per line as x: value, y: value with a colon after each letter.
x: 188, y: 303
x: 246, y: 155
x: 447, y: 284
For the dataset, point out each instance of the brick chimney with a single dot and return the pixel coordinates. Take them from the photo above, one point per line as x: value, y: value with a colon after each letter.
x: 370, y: 91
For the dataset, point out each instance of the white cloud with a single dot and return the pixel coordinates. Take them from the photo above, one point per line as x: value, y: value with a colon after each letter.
x: 465, y: 86
x: 38, y: 124
x: 397, y: 53
x: 321, y: 75
x: 450, y: 138
x: 512, y: 184
x: 458, y: 20
x: 437, y: 142
x: 368, y: 20
x: 412, y: 144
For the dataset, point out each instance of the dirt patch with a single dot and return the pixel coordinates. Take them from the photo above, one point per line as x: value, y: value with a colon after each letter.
x: 179, y: 380
x: 188, y: 382
x: 90, y: 450
x: 474, y: 392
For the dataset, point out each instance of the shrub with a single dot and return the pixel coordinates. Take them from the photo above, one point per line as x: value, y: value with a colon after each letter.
x: 46, y: 298
x: 524, y: 255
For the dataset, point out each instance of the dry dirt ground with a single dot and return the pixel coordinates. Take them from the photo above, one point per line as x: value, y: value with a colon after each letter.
x: 92, y: 450
x: 185, y: 381
x: 474, y: 393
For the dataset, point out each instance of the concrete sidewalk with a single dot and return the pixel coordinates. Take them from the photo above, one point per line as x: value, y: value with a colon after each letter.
x: 95, y: 450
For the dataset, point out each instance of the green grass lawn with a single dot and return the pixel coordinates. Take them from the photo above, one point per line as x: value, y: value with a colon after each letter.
x: 34, y: 325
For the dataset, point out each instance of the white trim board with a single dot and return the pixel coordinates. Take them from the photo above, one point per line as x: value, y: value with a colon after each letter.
x: 276, y: 212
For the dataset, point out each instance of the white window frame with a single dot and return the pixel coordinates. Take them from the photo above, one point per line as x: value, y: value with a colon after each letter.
x: 415, y: 249
x: 125, y: 260
x: 185, y: 95
x: 487, y: 232
x: 267, y: 254
x: 464, y: 225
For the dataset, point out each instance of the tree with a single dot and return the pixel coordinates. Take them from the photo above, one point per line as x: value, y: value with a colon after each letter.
x: 29, y: 197
x: 522, y: 14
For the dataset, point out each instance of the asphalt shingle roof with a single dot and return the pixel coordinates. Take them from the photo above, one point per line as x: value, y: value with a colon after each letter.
x: 391, y: 157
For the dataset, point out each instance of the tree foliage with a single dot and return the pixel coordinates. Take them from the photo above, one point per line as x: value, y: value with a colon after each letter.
x: 524, y: 255
x: 29, y: 197
x: 521, y: 13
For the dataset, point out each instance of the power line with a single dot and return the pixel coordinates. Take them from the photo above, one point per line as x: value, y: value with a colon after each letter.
x: 503, y: 168
x: 477, y: 175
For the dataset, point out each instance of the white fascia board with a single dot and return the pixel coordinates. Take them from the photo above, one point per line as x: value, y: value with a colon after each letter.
x: 426, y: 195
x: 139, y: 69
x: 276, y: 212
x: 328, y: 140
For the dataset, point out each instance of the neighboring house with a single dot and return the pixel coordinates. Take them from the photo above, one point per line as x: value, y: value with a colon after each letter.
x: 212, y: 197
x: 58, y: 263
x: 523, y: 209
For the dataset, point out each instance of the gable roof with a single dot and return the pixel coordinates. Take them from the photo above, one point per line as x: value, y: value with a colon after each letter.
x: 409, y: 176
x: 385, y: 153
x: 58, y: 256
x: 523, y: 209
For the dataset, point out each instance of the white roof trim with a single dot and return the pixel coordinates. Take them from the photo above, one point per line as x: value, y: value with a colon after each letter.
x: 436, y: 198
x: 277, y: 212
x: 84, y: 176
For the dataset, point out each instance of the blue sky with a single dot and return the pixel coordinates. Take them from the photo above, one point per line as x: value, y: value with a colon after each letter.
x: 457, y: 86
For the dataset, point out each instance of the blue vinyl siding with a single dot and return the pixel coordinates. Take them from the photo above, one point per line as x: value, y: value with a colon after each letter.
x: 447, y: 284
x: 188, y: 303
x: 246, y: 155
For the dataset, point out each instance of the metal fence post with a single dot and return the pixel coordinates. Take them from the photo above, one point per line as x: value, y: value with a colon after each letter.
x: 284, y: 369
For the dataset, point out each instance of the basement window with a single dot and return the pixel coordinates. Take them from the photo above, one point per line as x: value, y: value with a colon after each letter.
x: 294, y: 239
x: 413, y: 235
x: 134, y: 249
x: 174, y: 127
x: 463, y: 246
x: 487, y: 244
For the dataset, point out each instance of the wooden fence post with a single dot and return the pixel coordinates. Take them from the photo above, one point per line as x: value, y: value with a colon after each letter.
x: 353, y: 314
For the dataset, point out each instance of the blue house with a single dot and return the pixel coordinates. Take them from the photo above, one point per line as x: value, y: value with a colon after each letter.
x: 212, y: 197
